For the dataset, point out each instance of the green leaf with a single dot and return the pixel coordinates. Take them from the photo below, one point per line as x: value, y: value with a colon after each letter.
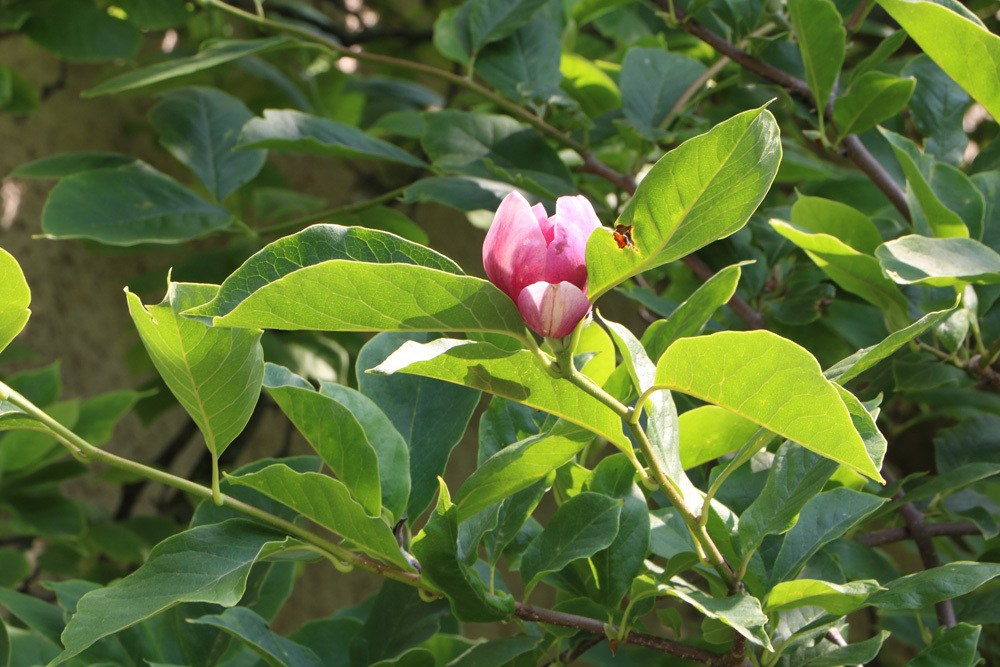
x: 128, y: 206
x: 620, y: 563
x: 204, y: 564
x: 741, y: 612
x: 795, y: 477
x: 871, y: 98
x: 495, y: 652
x: 315, y: 245
x: 826, y: 216
x: 296, y: 132
x: 823, y: 655
x: 15, y: 297
x: 955, y: 647
x: 703, y: 190
x: 216, y: 374
x: 78, y: 31
x: 390, y: 447
x: 772, y: 382
x: 40, y: 616
x: 332, y: 430
x: 582, y: 526
x: 328, y: 502
x: 588, y: 84
x: 492, y: 20
x: 690, y: 318
x: 496, y: 148
x: 823, y: 519
x: 430, y: 415
x: 154, y: 14
x: 398, y: 620
x: 885, y: 49
x: 67, y: 164
x: 652, y: 81
x: 99, y: 415
x: 967, y: 51
x: 464, y: 193
x: 836, y: 599
x: 525, y: 66
x: 916, y: 591
x: 347, y: 295
x: 820, y: 33
x: 199, y: 127
x: 218, y: 52
x: 937, y: 109
x: 939, y: 262
x: 437, y: 549
x: 919, y: 170
x: 853, y: 271
x: 513, y: 375
x: 252, y: 631
x: 708, y: 432
x: 862, y: 360
x: 519, y: 466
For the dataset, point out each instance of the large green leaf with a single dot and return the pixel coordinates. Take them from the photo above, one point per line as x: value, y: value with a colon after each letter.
x: 65, y: 164
x: 823, y: 519
x: 216, y: 53
x: 708, y: 432
x: 966, y: 50
x: 431, y: 415
x: 461, y: 32
x: 15, y: 297
x: 437, y: 549
x: 334, y: 433
x: 741, y: 612
x: 916, y: 591
x: 525, y: 66
x: 939, y: 262
x: 854, y: 271
x: 652, y: 80
x: 836, y: 599
x: 204, y: 564
x: 703, y: 190
x: 513, y: 375
x: 955, y: 647
x: 826, y: 216
x: 128, y: 206
x: 252, y: 631
x: 328, y: 502
x: 772, y: 382
x: 80, y: 32
x: 315, y: 245
x: 582, y: 526
x: 822, y: 42
x: 617, y: 566
x: 390, y: 447
x: 519, y: 466
x: 497, y: 148
x: 872, y: 98
x: 937, y: 108
x: 920, y: 170
x: 823, y: 654
x: 298, y: 132
x: 199, y: 127
x: 216, y: 374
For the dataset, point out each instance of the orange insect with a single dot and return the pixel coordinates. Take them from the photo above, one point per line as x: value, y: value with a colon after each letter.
x: 623, y: 236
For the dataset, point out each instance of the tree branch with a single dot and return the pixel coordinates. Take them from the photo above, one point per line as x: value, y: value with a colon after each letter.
x: 855, y: 150
x: 918, y: 530
x: 550, y: 617
x: 890, y: 535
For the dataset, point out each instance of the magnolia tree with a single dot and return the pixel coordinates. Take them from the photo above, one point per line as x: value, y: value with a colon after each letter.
x: 709, y: 483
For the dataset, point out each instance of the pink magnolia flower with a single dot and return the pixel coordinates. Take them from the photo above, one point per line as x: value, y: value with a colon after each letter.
x: 539, y: 261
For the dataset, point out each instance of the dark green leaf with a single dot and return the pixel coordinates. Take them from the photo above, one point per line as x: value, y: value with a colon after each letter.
x: 862, y: 653
x: 582, y: 526
x: 741, y: 612
x: 216, y: 53
x: 399, y: 619
x: 703, y: 190
x: 297, y: 132
x: 67, y: 164
x: 916, y: 591
x: 464, y: 193
x: 42, y: 617
x: 524, y: 66
x: 78, y: 31
x: 154, y: 14
x: 652, y: 81
x: 619, y: 564
x: 128, y: 206
x: 431, y: 415
x: 955, y: 647
x: 253, y: 632
x: 937, y: 109
x: 199, y: 127
x: 495, y: 652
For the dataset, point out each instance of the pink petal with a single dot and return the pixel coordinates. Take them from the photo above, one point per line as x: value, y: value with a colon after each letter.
x: 576, y: 212
x: 551, y: 310
x: 566, y: 256
x: 543, y: 221
x: 514, y: 249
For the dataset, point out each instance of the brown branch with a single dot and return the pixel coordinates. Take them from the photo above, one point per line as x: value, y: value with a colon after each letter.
x: 855, y: 150
x: 550, y: 617
x: 890, y: 535
x: 918, y: 530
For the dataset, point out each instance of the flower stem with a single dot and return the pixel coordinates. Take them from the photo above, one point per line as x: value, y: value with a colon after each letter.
x: 80, y: 447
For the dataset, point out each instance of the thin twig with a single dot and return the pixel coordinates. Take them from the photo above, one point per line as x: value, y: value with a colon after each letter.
x: 855, y: 150
x: 570, y: 655
x: 918, y: 529
x: 890, y: 535
x: 551, y: 617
